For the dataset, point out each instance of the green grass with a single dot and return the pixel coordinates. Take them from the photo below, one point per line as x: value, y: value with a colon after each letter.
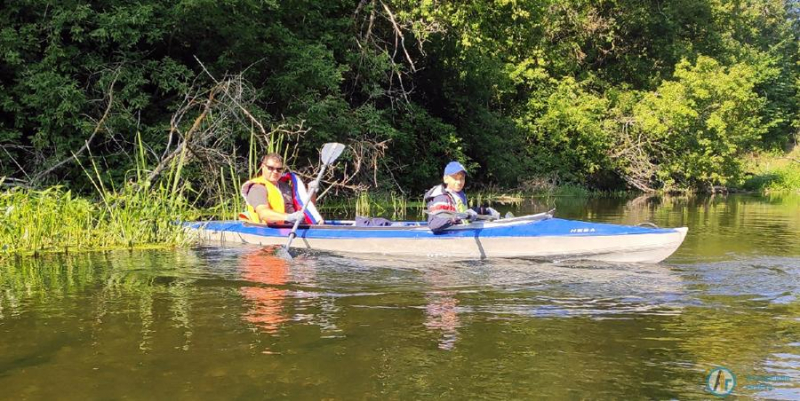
x: 54, y: 220
x: 774, y: 173
x: 139, y: 214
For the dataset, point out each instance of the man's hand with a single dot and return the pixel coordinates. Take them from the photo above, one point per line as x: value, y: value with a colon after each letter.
x: 313, y: 186
x: 292, y: 217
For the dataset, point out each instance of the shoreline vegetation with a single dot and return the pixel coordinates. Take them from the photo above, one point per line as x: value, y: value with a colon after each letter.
x: 773, y: 173
x: 648, y: 95
x: 117, y: 118
x: 134, y: 216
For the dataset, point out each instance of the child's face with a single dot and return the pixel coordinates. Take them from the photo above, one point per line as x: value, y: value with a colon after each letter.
x: 455, y: 182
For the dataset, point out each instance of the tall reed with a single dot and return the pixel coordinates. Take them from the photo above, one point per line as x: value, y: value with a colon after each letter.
x: 381, y: 204
x: 229, y: 202
x: 399, y: 206
x: 139, y: 213
x: 363, y: 204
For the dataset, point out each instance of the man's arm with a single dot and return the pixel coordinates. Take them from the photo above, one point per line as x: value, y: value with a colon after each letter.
x: 270, y: 216
x: 257, y: 198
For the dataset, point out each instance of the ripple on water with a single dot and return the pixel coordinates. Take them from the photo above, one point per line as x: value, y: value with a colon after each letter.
x: 774, y: 279
x: 519, y: 287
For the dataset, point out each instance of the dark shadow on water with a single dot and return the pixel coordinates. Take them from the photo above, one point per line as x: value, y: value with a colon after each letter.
x: 42, y: 355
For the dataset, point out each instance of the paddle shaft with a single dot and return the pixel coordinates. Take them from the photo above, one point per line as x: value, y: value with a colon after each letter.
x: 449, y: 215
x: 311, y: 193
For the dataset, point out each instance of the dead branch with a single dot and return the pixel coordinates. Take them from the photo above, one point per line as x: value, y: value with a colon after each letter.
x: 361, y: 5
x: 219, y: 114
x: 366, y: 37
x: 391, y: 175
x: 165, y: 161
x: 398, y: 35
x: 360, y: 173
x: 234, y: 99
x: 633, y: 157
x: 366, y: 155
x: 331, y: 183
x: 14, y: 182
x: 381, y: 32
x: 371, y: 22
x: 14, y: 160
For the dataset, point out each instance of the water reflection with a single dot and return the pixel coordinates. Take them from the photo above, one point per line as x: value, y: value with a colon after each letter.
x: 455, y: 292
x: 782, y: 374
x: 441, y: 311
x: 266, y: 302
x: 283, y: 291
x: 237, y: 322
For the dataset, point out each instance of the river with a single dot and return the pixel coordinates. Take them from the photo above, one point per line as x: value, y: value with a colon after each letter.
x: 236, y: 322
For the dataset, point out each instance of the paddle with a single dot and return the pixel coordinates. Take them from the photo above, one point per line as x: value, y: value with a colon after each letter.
x: 329, y: 153
x: 445, y: 214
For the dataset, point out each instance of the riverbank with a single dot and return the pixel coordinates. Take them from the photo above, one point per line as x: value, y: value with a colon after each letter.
x: 771, y: 173
x: 55, y: 220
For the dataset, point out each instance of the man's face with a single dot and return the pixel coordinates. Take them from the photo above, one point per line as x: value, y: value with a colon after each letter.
x: 272, y: 170
x: 455, y: 182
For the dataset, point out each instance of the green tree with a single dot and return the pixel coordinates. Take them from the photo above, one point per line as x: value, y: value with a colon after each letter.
x: 699, y: 125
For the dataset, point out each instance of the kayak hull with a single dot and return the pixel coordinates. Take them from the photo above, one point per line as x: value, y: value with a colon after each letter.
x: 535, y: 237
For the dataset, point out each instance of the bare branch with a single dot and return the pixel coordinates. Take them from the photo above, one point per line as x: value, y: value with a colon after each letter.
x: 13, y: 182
x: 633, y: 157
x: 19, y: 166
x: 234, y: 99
x: 361, y: 5
x: 399, y: 34
x: 165, y: 161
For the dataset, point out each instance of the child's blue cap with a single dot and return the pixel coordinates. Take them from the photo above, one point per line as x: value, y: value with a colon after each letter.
x: 454, y: 167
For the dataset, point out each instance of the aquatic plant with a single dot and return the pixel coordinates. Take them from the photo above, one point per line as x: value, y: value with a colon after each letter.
x: 373, y: 204
x: 362, y: 204
x: 139, y: 213
x: 54, y: 220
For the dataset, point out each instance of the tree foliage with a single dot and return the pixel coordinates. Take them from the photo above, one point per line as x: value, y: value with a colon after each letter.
x: 699, y: 123
x: 658, y: 94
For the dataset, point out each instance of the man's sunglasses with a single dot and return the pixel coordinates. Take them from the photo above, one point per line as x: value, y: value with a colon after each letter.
x: 272, y: 168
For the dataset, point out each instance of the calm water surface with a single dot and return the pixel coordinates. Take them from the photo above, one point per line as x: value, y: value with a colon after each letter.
x: 239, y: 323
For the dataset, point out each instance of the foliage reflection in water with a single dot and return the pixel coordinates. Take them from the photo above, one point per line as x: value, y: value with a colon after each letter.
x: 228, y: 322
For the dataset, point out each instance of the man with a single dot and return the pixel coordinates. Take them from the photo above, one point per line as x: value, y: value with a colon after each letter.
x: 271, y: 199
x: 450, y: 197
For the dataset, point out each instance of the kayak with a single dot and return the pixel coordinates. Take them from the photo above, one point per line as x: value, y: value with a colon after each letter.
x: 539, y: 236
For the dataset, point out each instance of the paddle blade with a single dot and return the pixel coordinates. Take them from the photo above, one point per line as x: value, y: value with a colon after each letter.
x: 283, y: 253
x: 279, y: 251
x: 330, y: 152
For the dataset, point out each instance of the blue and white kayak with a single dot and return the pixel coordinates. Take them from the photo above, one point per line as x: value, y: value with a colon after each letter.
x: 539, y: 236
